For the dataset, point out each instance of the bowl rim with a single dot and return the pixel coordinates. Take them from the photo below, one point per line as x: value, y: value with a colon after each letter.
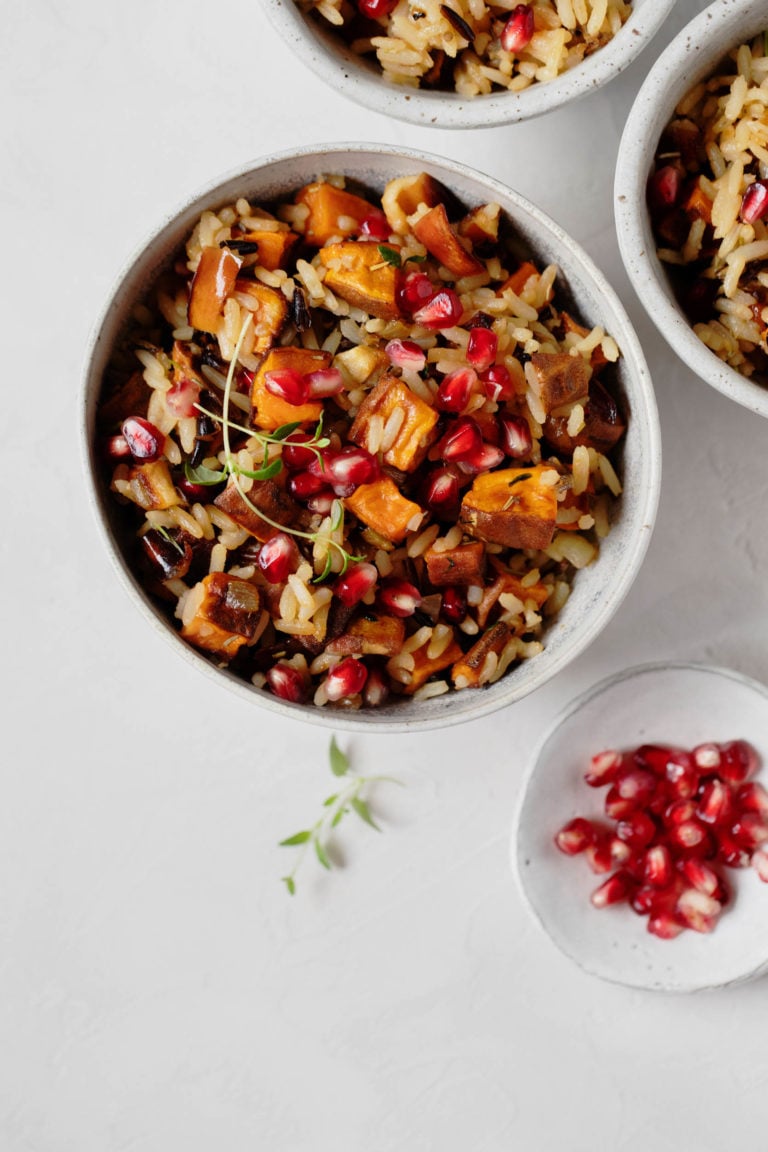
x: 571, y: 708
x: 362, y: 82
x: 682, y: 64
x: 476, y: 706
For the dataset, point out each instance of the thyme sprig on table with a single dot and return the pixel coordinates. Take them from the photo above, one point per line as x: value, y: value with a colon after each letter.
x: 350, y: 797
x: 234, y: 470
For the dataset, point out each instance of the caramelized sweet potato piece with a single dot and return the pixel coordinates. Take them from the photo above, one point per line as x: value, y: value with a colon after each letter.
x: 358, y: 364
x: 383, y: 508
x: 434, y: 231
x: 403, y: 196
x: 269, y: 308
x: 333, y: 213
x: 603, y: 425
x: 221, y: 614
x: 275, y: 248
x: 560, y: 378
x: 130, y: 398
x: 270, y: 412
x: 150, y: 486
x: 481, y: 225
x: 504, y: 583
x: 697, y: 204
x: 268, y: 498
x: 470, y: 671
x: 416, y: 431
x: 357, y: 273
x: 425, y: 666
x: 519, y: 278
x: 511, y: 507
x: 597, y: 359
x: 212, y: 283
x: 371, y: 635
x: 462, y: 565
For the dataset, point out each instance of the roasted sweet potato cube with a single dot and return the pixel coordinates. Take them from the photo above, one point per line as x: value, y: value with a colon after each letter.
x: 269, y: 308
x: 149, y: 485
x: 357, y: 272
x: 560, y: 378
x: 383, y: 508
x: 434, y: 231
x: 462, y: 565
x: 212, y: 284
x: 370, y: 635
x: 403, y: 196
x: 519, y: 278
x: 271, y: 412
x: 221, y: 613
x: 481, y: 225
x: 603, y: 424
x: 697, y: 204
x: 597, y: 358
x: 513, y: 507
x: 474, y: 669
x: 504, y: 583
x: 265, y: 495
x: 130, y: 398
x: 425, y: 666
x: 275, y: 248
x: 333, y: 213
x: 415, y: 434
x: 358, y: 364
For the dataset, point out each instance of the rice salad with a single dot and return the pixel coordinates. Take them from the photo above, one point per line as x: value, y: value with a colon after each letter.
x: 473, y: 47
x: 357, y: 446
x: 708, y: 199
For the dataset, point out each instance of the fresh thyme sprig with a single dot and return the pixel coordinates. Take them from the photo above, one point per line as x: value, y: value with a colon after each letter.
x: 231, y: 468
x: 349, y: 798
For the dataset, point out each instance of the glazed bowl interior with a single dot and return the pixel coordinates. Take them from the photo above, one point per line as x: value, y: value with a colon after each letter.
x: 316, y: 43
x: 690, y: 58
x: 598, y: 589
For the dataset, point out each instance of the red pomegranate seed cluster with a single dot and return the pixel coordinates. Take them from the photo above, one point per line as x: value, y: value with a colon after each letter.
x: 678, y: 818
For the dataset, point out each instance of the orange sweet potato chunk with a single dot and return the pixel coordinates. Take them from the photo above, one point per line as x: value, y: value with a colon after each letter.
x: 270, y: 412
x: 212, y: 283
x: 425, y: 666
x: 275, y: 248
x: 382, y: 507
x: 467, y: 672
x: 357, y: 272
x: 417, y: 430
x: 434, y: 231
x: 266, y: 497
x: 519, y: 278
x: 221, y: 614
x: 462, y: 565
x: 333, y: 213
x: 270, y: 312
x: 560, y: 378
x: 511, y: 507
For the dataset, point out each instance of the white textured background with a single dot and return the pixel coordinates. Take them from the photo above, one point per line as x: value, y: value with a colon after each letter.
x: 159, y: 991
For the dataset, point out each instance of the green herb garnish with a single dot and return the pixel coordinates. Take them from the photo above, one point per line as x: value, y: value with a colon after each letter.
x: 389, y: 255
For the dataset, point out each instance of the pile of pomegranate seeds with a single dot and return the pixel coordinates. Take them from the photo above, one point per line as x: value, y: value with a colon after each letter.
x: 678, y: 818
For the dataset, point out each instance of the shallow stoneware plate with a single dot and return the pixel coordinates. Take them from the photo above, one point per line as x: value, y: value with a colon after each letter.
x: 678, y: 704
x: 598, y: 589
x: 690, y: 58
x: 315, y: 43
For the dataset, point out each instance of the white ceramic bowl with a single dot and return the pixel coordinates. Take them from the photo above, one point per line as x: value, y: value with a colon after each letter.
x: 315, y: 43
x: 598, y: 590
x: 682, y: 704
x: 691, y: 56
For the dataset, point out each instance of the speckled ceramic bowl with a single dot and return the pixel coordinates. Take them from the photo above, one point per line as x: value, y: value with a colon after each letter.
x: 315, y: 43
x: 691, y: 56
x: 598, y: 589
x: 678, y: 704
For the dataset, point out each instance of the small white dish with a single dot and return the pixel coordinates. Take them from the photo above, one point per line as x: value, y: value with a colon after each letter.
x: 691, y: 57
x: 683, y: 704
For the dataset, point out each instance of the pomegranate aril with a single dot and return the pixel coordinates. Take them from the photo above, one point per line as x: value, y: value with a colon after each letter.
x: 691, y: 836
x: 375, y: 226
x: 754, y: 202
x: 376, y: 9
x: 760, y: 862
x: 682, y: 780
x: 294, y: 456
x: 598, y: 853
x: 518, y: 30
x: 664, y: 925
x: 636, y: 829
x: 454, y: 606
x: 455, y: 389
x: 116, y: 448
x: 406, y: 354
x: 616, y: 807
x: 288, y: 683
x: 739, y: 761
x: 706, y: 757
x: 288, y: 385
x: 442, y: 311
x: 613, y: 891
x: 461, y: 440
x: 679, y: 812
x: 195, y: 492
x: 278, y: 558
x: 324, y: 382
x: 413, y: 291
x: 482, y: 348
x: 145, y: 441
x: 750, y: 830
x: 182, y: 397
x: 516, y: 437
x: 302, y: 485
x: 441, y: 492
x: 350, y: 468
x: 715, y: 804
x: 657, y: 866
x: 399, y: 598
x: 752, y: 797
x: 575, y: 836
x: 698, y: 911
x: 703, y: 877
x: 356, y: 583
x: 376, y: 690
x: 603, y: 768
x: 345, y: 679
x: 621, y: 854
x: 483, y: 459
x: 664, y: 187
x: 322, y: 502
x: 636, y: 784
x: 731, y: 853
x: 497, y: 382
x: 653, y: 757
x: 642, y: 899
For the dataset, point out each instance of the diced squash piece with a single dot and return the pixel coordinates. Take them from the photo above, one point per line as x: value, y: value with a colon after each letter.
x: 403, y: 196
x: 560, y: 378
x: 370, y: 635
x: 472, y: 669
x: 270, y: 412
x: 698, y: 205
x: 184, y: 364
x: 130, y: 398
x: 150, y: 486
x: 333, y: 213
x: 267, y: 498
x: 597, y: 358
x: 603, y: 424
x: 383, y: 508
x: 506, y: 583
x: 212, y: 284
x: 511, y: 507
x: 462, y: 565
x: 269, y: 308
x: 434, y: 231
x: 357, y: 365
x: 356, y: 271
x: 519, y: 278
x: 275, y: 248
x: 425, y: 666
x: 416, y: 432
x: 220, y: 614
x: 481, y: 225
